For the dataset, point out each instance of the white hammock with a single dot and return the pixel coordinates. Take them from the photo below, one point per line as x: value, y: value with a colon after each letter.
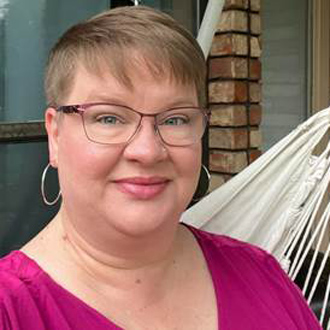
x: 280, y: 202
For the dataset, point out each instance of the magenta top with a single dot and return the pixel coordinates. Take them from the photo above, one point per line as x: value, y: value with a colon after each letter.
x: 252, y: 293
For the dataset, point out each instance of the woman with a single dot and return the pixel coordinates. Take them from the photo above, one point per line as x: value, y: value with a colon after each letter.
x: 125, y: 122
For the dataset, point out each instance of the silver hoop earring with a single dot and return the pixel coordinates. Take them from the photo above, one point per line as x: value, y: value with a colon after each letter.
x: 43, y: 194
x: 207, y: 172
x: 202, y: 188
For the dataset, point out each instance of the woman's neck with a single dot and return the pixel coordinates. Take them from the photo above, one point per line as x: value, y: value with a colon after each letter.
x: 123, y: 262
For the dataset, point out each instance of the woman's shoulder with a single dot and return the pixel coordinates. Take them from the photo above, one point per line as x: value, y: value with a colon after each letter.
x: 225, y: 245
x: 226, y: 254
x: 239, y: 267
x: 17, y: 272
x: 25, y: 295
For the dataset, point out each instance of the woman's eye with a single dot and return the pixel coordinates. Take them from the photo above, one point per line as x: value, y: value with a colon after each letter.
x: 175, y: 121
x: 113, y: 120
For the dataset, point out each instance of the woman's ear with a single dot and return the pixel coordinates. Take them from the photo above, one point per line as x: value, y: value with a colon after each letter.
x: 52, y: 127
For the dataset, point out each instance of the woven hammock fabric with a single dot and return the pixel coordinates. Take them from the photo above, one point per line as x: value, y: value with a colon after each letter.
x: 259, y: 204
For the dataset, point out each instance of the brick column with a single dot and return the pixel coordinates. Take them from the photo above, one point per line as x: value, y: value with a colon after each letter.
x: 234, y: 90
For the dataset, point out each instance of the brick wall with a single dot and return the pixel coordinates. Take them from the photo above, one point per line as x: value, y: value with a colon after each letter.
x: 234, y: 90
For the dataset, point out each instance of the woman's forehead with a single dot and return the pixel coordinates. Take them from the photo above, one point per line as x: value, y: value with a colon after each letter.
x: 136, y: 72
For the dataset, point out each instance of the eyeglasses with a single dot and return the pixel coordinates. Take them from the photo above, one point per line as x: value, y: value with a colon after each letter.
x: 107, y: 123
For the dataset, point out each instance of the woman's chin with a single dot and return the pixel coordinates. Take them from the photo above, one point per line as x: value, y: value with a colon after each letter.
x: 144, y: 221
x: 142, y: 227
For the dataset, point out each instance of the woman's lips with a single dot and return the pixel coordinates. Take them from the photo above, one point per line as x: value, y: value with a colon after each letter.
x: 142, y: 188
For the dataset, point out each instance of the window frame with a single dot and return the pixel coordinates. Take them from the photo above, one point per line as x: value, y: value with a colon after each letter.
x: 34, y: 130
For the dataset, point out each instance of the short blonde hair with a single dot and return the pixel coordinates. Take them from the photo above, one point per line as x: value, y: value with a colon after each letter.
x: 112, y: 37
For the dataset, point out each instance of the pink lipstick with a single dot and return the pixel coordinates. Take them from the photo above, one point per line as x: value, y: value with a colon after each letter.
x: 142, y: 187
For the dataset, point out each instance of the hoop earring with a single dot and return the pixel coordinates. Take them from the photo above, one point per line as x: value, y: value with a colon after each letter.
x: 207, y: 172
x: 43, y: 194
x: 199, y: 195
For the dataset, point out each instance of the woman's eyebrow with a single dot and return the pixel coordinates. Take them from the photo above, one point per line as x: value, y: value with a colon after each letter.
x: 181, y: 103
x: 106, y: 98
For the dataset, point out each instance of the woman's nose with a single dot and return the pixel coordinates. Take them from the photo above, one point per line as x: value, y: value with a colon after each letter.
x: 146, y: 146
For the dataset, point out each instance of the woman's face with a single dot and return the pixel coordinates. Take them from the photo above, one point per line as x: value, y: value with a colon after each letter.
x: 134, y: 188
